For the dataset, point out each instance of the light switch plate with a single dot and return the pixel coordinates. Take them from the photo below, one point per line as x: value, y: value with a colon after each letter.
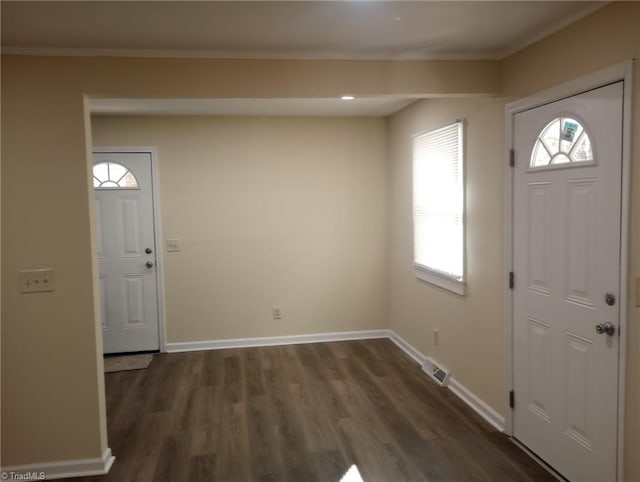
x: 37, y: 280
x: 173, y: 245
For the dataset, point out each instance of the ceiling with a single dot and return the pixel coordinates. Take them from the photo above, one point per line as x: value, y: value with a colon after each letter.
x: 287, y: 29
x: 384, y: 30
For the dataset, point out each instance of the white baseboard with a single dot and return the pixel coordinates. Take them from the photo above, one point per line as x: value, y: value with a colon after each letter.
x: 466, y: 395
x: 275, y: 340
x: 404, y: 345
x: 63, y: 468
x: 480, y: 407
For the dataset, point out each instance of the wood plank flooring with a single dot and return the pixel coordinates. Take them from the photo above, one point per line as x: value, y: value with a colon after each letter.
x: 299, y: 413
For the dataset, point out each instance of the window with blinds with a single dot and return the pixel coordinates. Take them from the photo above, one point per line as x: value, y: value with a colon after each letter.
x: 438, y: 207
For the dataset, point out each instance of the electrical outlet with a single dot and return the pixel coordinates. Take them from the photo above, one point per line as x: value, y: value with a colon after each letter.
x: 276, y: 313
x: 36, y: 280
x: 436, y: 336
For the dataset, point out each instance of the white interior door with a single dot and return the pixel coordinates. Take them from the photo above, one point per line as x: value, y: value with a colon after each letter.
x: 126, y: 251
x: 567, y: 209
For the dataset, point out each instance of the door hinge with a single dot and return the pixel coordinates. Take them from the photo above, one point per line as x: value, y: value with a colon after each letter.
x: 512, y: 278
x: 512, y: 157
x: 512, y: 399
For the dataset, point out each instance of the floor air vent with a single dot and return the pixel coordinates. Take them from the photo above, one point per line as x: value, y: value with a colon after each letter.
x: 436, y: 371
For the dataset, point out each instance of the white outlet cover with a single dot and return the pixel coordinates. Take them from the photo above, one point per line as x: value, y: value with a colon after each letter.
x: 37, y: 280
x: 173, y: 245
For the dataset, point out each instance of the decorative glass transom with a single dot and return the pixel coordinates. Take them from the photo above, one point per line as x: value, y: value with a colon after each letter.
x: 111, y: 175
x: 562, y: 141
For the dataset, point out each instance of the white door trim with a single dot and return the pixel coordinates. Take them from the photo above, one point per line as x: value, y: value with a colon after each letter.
x: 157, y: 229
x: 615, y: 73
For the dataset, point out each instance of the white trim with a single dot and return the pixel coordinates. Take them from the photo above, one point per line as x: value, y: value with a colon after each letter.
x: 248, y: 55
x: 157, y: 228
x: 508, y: 263
x: 66, y: 468
x: 445, y: 282
x: 430, y: 274
x: 619, y: 72
x: 627, y: 134
x: 467, y: 396
x: 418, y: 357
x: 582, y: 84
x: 275, y: 340
x: 477, y: 404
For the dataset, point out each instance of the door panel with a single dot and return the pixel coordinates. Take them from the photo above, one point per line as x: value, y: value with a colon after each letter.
x: 538, y: 349
x: 134, y: 296
x: 125, y: 230
x: 130, y: 227
x: 580, y: 230
x: 566, y: 258
x: 540, y: 245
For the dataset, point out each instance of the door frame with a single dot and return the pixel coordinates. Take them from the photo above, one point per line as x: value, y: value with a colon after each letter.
x: 600, y: 78
x: 157, y: 230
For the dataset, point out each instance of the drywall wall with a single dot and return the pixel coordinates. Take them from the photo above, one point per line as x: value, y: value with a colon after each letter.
x: 288, y: 212
x: 52, y: 379
x: 470, y: 327
x: 607, y: 37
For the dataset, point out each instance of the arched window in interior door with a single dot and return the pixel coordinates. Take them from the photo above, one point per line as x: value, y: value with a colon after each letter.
x: 111, y: 175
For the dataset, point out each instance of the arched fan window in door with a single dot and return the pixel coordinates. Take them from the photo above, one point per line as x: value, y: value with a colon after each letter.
x: 111, y: 175
x: 562, y: 141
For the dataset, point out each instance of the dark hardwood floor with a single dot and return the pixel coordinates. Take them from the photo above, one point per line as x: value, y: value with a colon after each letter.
x: 299, y: 413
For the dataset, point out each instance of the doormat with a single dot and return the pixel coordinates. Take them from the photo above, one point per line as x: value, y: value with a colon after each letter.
x: 127, y: 362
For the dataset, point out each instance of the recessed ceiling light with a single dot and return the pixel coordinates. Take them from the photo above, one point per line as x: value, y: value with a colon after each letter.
x: 347, y: 97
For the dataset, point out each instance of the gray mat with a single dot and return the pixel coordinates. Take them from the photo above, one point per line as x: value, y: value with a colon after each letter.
x: 127, y: 362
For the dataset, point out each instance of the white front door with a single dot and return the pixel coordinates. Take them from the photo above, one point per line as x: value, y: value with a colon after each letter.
x: 126, y: 251
x: 567, y: 209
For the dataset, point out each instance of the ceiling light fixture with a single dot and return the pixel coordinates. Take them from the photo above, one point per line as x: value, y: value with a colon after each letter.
x: 347, y: 97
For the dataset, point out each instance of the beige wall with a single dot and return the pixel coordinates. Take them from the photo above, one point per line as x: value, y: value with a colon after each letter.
x: 607, y: 37
x: 52, y: 382
x: 51, y: 377
x: 288, y: 212
x: 470, y: 327
x: 52, y: 374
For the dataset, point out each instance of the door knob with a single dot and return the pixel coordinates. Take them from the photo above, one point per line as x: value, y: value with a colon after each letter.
x: 148, y: 251
x: 149, y: 264
x: 606, y: 327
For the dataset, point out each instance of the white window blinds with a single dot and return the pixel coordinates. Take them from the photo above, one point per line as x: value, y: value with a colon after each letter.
x: 438, y: 204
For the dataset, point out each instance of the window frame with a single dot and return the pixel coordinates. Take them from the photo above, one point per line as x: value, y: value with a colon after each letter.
x: 429, y: 274
x: 117, y: 187
x: 586, y: 131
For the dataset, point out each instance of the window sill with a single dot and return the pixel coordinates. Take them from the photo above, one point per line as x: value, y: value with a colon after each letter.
x: 449, y: 284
